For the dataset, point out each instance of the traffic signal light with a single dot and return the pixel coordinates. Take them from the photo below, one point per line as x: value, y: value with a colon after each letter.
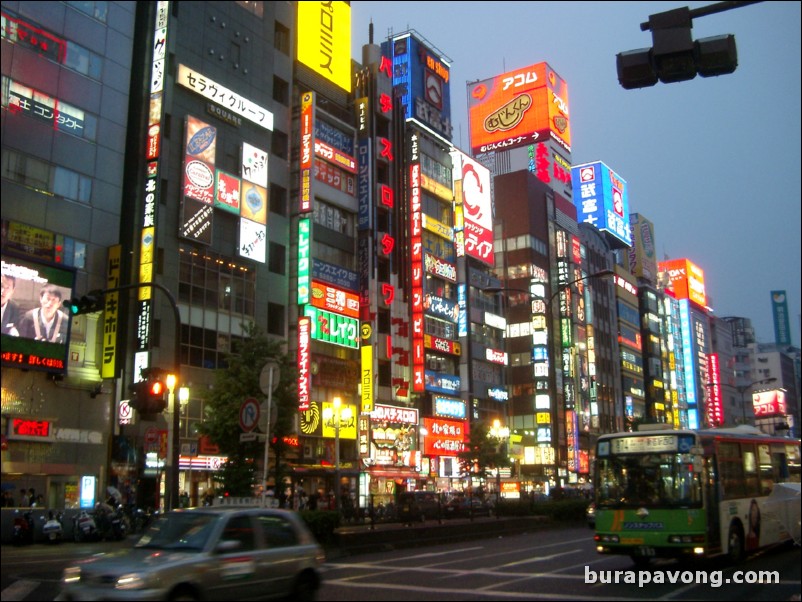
x: 675, y: 56
x: 149, y: 396
x: 87, y: 304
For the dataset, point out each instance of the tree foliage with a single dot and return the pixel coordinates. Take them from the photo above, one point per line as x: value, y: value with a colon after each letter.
x: 235, y: 383
x: 483, y: 452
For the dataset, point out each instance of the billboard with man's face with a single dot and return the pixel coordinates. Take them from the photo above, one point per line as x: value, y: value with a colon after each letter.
x: 35, y: 330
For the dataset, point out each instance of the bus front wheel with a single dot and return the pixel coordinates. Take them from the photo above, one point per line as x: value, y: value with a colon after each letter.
x: 736, y: 544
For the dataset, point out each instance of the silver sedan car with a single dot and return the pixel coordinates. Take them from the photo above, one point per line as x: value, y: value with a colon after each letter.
x: 206, y: 554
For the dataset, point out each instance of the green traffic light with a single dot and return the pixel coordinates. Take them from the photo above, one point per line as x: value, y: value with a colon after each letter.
x: 72, y: 306
x: 85, y: 305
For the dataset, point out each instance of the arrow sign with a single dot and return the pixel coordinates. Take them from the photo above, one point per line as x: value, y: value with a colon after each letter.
x: 249, y: 414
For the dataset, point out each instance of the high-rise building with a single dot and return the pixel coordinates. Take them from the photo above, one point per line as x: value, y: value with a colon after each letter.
x: 66, y: 75
x: 686, y: 283
x: 206, y: 205
x: 422, y: 81
x: 607, y: 407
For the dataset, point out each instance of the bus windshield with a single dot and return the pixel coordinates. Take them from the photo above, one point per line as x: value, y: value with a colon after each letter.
x: 652, y: 480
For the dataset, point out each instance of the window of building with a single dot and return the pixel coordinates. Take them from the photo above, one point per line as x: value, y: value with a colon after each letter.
x: 439, y: 328
x: 385, y: 374
x: 97, y: 10
x: 440, y: 363
x: 23, y: 100
x: 333, y: 255
x: 383, y: 271
x: 17, y: 30
x: 281, y: 91
x: 520, y: 359
x: 41, y: 176
x: 225, y: 291
x: 277, y: 260
x: 435, y: 170
x: 72, y: 185
x: 58, y: 248
x: 275, y: 319
x: 281, y: 40
x: 83, y: 61
x: 278, y: 199
x: 437, y: 209
x: 279, y: 144
x: 333, y: 217
x: 257, y: 8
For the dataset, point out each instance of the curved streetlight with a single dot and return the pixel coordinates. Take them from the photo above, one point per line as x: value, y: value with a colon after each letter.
x: 500, y: 433
x: 171, y: 487
x: 744, y: 388
x: 553, y: 356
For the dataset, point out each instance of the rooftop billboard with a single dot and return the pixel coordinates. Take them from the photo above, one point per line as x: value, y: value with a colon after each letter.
x: 518, y: 108
x: 687, y: 278
x: 324, y: 40
x: 423, y: 78
x: 602, y: 200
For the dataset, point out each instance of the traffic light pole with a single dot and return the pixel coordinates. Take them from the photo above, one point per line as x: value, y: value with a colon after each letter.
x: 172, y: 489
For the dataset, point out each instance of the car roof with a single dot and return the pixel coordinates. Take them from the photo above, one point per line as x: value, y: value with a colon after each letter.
x: 233, y: 509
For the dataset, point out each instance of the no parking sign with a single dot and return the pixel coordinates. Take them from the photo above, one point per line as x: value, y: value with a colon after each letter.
x: 249, y: 415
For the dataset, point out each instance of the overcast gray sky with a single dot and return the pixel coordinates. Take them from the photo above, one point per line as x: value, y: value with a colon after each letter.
x: 714, y: 162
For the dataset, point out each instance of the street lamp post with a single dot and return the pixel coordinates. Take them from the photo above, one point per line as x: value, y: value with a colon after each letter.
x: 743, y: 389
x: 499, y: 433
x: 336, y: 415
x: 505, y: 311
x: 267, y: 384
x: 172, y: 481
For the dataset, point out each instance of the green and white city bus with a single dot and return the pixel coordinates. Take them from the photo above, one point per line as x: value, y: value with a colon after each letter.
x: 685, y: 493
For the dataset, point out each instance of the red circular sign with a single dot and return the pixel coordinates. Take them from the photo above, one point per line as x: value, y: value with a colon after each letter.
x: 249, y: 414
x: 151, y: 435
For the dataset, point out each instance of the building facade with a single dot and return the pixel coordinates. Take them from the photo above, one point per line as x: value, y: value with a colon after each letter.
x: 66, y: 93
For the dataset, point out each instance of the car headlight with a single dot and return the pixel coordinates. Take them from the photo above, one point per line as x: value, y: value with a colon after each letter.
x: 71, y: 574
x: 131, y: 581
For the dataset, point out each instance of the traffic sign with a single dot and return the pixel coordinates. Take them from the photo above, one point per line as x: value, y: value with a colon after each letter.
x: 152, y: 435
x: 249, y: 414
x: 243, y: 437
x: 269, y: 377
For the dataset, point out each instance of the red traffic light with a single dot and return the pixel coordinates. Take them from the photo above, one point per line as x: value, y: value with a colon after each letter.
x: 156, y: 388
x: 149, y: 396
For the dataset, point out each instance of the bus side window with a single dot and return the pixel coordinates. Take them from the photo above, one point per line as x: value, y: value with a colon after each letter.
x: 750, y: 469
x: 779, y: 465
x: 731, y: 471
x: 767, y: 477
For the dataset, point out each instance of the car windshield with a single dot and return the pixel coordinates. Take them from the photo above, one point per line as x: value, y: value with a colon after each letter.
x: 651, y: 480
x: 188, y: 531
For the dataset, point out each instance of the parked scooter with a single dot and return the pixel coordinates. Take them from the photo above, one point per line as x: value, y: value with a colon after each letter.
x: 53, y: 528
x: 138, y: 519
x: 84, y: 527
x: 23, y: 528
x: 119, y: 523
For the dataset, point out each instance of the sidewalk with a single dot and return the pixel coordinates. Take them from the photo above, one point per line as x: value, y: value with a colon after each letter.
x: 366, y: 538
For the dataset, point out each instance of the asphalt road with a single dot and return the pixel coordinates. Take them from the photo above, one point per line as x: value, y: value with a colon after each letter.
x: 540, y: 563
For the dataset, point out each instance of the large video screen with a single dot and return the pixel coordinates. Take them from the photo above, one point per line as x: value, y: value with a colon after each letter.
x: 35, y: 330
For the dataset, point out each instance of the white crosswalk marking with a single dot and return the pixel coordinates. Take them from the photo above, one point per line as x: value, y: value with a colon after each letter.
x: 18, y: 590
